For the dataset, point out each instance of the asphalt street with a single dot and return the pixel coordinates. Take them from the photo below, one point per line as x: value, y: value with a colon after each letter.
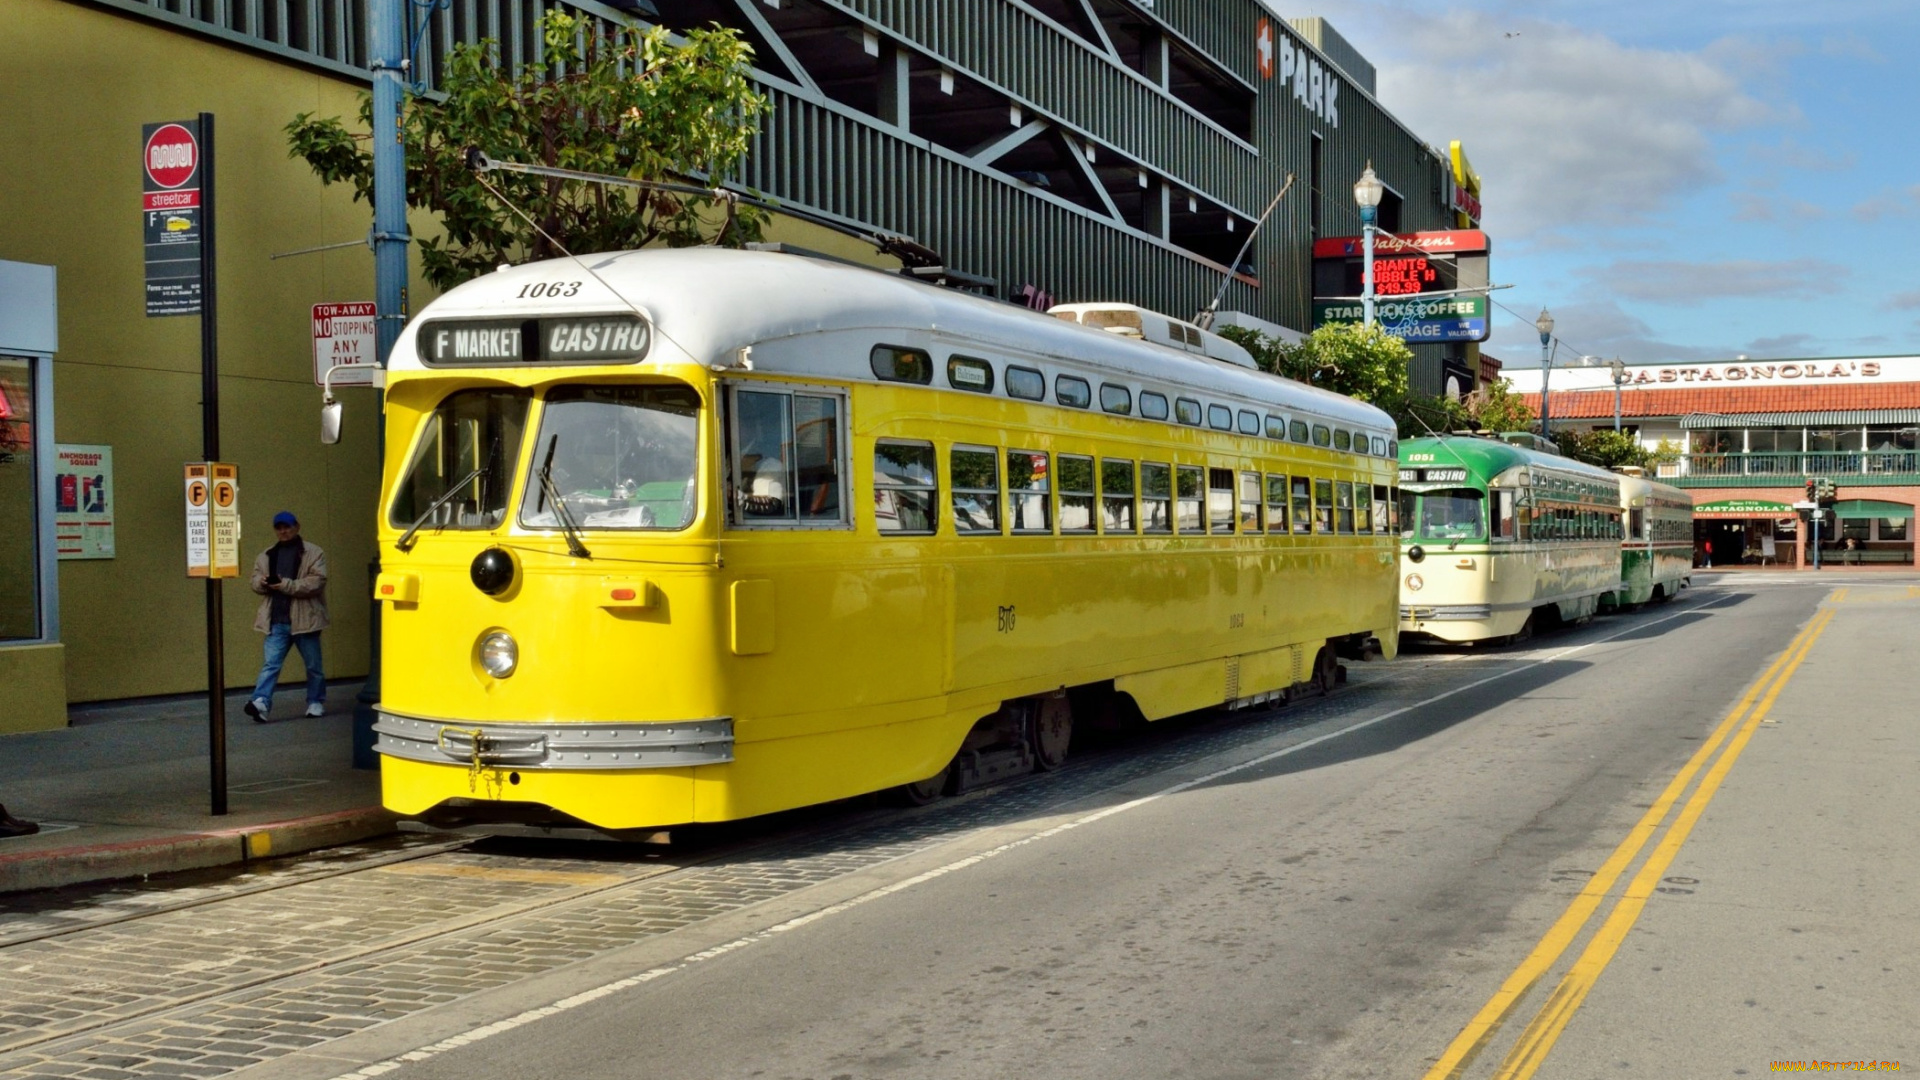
x: 1722, y: 784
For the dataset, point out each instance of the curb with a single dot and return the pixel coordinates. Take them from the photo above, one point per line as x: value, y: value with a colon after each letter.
x: 51, y: 868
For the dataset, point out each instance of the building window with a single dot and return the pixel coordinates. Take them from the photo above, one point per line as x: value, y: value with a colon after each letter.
x: 906, y: 492
x: 20, y: 536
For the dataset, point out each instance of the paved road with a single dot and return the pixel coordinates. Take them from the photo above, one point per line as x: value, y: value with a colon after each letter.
x: 1334, y: 890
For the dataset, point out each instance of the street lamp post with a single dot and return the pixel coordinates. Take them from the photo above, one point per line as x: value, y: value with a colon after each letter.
x: 1544, y: 324
x: 1366, y: 192
x: 1619, y: 378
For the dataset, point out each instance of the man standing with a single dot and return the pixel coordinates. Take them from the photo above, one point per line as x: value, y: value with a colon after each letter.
x: 292, y: 576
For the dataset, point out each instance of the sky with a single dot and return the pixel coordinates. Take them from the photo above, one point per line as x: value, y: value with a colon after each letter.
x: 1674, y: 181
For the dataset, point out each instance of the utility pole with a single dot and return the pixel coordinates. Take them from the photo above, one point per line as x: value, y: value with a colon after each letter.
x: 388, y: 38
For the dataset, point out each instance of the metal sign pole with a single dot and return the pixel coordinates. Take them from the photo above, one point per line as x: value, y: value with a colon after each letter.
x: 210, y: 450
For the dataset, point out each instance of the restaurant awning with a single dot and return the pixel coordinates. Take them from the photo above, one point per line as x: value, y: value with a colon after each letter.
x: 1844, y: 417
x: 1871, y: 508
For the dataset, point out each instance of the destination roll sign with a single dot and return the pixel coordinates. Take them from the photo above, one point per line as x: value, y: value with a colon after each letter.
x: 573, y: 339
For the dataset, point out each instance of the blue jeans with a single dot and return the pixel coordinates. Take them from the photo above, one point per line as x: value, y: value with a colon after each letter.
x: 280, y: 637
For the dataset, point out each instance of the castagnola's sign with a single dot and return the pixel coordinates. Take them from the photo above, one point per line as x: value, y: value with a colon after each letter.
x: 1775, y: 372
x: 1816, y: 371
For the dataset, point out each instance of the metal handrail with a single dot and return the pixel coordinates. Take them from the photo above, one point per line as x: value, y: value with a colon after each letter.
x: 1797, y: 463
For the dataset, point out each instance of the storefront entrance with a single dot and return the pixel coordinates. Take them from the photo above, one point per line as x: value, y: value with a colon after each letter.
x: 1745, y: 532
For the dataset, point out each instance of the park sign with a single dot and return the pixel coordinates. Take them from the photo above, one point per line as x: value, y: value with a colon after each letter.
x: 1451, y: 318
x: 171, y: 215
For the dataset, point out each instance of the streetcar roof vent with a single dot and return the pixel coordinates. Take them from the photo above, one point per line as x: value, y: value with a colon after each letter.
x: 1531, y: 441
x: 1629, y: 470
x: 1129, y: 320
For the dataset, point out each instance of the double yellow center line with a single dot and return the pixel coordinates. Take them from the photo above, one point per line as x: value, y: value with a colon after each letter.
x: 1530, y: 1051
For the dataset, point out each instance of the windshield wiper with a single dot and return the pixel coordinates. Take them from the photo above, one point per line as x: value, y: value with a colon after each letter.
x: 405, y: 543
x: 549, y: 491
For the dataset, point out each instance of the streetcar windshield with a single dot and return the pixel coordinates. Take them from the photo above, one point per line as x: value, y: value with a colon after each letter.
x: 619, y: 457
x: 462, y: 466
x: 1452, y: 515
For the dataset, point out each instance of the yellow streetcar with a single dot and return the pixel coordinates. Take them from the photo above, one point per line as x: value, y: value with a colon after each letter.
x: 694, y: 535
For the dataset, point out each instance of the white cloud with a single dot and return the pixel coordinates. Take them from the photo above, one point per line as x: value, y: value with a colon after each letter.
x: 1569, y: 128
x: 1675, y: 281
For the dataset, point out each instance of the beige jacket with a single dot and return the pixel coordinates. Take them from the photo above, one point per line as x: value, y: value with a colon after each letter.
x: 309, y: 591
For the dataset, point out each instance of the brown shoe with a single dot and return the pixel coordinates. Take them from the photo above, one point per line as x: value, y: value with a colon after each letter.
x: 13, y: 826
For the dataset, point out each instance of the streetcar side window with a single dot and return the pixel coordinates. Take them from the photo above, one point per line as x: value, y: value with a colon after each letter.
x: 1249, y: 422
x: 1219, y: 418
x: 1156, y: 496
x: 896, y: 363
x: 1379, y: 446
x: 1072, y: 391
x: 1277, y: 428
x: 968, y: 373
x: 1249, y: 502
x: 1190, y: 486
x: 1026, y: 384
x: 1637, y: 525
x: 1323, y: 505
x: 1343, y: 506
x: 1186, y: 411
x: 1117, y: 400
x: 906, y: 488
x: 1116, y: 495
x: 1153, y: 406
x: 1076, y: 493
x: 1382, y: 500
x: 1322, y: 435
x: 1302, y: 505
x: 1297, y: 431
x: 1220, y: 500
x: 785, y: 457
x: 975, y: 480
x: 1362, y: 510
x: 1342, y: 440
x: 1027, y: 481
x: 1276, y: 503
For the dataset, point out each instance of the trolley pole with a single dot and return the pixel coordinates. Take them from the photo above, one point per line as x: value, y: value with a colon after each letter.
x: 388, y: 36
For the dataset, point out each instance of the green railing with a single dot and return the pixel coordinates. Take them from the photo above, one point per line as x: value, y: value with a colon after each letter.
x: 1794, y: 467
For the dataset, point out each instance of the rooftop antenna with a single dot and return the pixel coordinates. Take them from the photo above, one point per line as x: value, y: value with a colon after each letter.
x: 1204, y: 320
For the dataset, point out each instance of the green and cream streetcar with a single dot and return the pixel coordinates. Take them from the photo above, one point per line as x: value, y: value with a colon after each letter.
x: 1656, y: 554
x: 1500, y: 535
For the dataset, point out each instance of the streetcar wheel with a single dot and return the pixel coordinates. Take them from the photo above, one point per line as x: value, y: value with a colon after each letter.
x: 922, y: 792
x: 1324, y: 673
x: 1052, y: 732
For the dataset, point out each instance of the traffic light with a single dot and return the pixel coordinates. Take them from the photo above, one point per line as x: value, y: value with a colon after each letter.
x: 1811, y: 487
x: 1822, y: 489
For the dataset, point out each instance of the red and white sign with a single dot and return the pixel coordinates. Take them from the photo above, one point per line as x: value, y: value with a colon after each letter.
x: 1450, y: 242
x: 1466, y: 202
x: 345, y: 336
x: 172, y: 156
x: 1263, y: 45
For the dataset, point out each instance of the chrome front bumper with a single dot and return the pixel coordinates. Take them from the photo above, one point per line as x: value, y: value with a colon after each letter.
x: 1446, y: 613
x: 670, y: 745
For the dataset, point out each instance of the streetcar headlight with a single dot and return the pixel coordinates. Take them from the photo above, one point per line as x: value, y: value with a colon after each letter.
x: 499, y: 654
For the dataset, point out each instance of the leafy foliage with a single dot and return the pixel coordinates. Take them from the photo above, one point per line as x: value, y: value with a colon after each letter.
x: 631, y: 103
x: 1604, y: 447
x: 1347, y: 358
